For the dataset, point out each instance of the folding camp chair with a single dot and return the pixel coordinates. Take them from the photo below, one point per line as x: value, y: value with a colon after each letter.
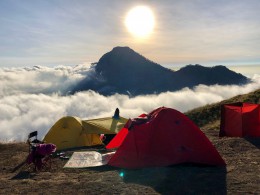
x: 32, y: 140
x: 39, y: 157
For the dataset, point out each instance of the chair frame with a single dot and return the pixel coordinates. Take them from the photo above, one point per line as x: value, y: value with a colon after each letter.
x: 45, y: 160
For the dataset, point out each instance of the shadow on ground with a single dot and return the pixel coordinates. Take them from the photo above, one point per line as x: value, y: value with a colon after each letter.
x: 254, y: 140
x: 23, y: 175
x: 181, y: 179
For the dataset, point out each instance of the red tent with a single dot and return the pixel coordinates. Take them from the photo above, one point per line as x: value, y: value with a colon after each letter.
x: 240, y: 119
x: 163, y: 137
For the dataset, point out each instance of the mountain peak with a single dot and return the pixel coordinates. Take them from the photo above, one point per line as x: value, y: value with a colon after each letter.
x: 122, y: 59
x: 121, y: 49
x: 120, y: 52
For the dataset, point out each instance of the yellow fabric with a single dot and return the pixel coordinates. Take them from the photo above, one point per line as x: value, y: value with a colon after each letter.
x: 106, y: 125
x: 68, y: 132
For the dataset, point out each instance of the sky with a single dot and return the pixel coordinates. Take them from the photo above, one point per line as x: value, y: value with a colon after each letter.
x: 72, y: 32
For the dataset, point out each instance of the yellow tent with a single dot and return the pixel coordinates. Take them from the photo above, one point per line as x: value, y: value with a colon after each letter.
x: 106, y: 125
x: 71, y: 132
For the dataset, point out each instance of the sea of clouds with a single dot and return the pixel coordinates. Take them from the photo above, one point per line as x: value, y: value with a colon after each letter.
x: 33, y: 99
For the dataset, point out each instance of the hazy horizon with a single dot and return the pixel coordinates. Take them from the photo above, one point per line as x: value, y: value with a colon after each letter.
x: 239, y: 68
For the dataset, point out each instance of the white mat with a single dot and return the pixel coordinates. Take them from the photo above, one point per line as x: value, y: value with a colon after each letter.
x: 88, y: 159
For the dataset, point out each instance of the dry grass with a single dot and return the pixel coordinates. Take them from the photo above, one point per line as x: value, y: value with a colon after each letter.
x: 240, y: 176
x: 211, y: 113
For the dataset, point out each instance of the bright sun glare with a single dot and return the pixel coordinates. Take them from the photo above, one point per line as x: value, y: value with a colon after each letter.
x: 140, y: 21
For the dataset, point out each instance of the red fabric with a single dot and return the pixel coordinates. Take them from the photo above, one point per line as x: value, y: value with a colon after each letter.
x: 233, y: 120
x: 240, y: 120
x: 38, y: 153
x: 118, y: 139
x: 168, y: 137
x: 251, y: 120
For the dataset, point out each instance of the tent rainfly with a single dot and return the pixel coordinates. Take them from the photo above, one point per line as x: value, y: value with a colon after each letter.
x: 240, y: 120
x: 161, y: 138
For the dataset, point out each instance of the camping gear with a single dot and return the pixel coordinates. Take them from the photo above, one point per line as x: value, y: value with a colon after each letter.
x: 40, y: 156
x: 68, y: 132
x: 88, y: 159
x: 39, y: 153
x: 107, y: 125
x: 240, y: 120
x: 33, y: 140
x: 161, y: 138
x: 72, y: 132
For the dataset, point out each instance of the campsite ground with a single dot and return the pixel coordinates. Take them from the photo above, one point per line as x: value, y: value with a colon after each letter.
x: 240, y: 176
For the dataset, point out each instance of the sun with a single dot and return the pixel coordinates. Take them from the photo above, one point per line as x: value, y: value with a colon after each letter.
x: 140, y: 21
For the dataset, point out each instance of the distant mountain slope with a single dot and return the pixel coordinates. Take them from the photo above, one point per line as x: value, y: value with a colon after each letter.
x: 122, y: 70
x: 210, y: 114
x: 197, y: 74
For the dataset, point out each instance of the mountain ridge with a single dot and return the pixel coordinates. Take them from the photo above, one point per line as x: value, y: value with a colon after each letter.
x: 124, y: 71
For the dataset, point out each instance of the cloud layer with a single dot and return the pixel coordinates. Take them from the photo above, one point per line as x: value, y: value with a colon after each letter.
x: 30, y: 99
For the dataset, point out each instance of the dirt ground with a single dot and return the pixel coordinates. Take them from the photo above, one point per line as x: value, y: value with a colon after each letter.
x: 240, y: 176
